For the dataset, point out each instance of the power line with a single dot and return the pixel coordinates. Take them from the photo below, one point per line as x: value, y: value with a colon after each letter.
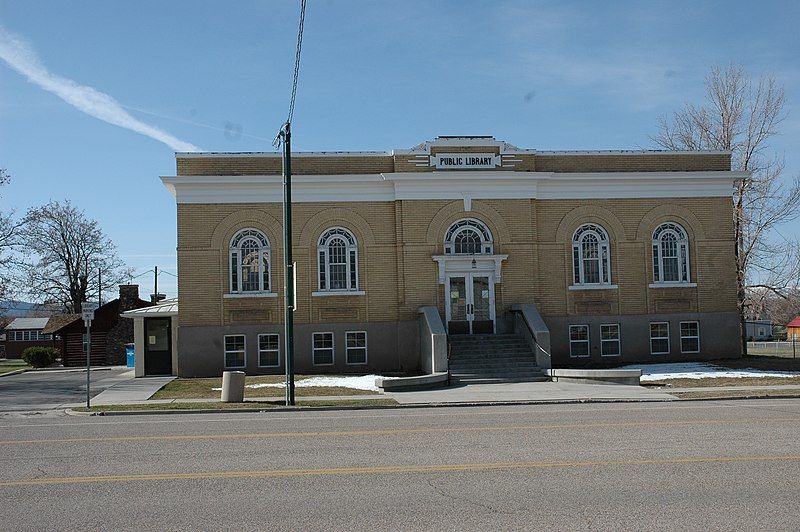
x: 141, y: 274
x: 298, y: 49
x: 297, y: 59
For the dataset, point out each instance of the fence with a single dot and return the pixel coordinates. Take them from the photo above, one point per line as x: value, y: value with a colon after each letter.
x: 775, y: 349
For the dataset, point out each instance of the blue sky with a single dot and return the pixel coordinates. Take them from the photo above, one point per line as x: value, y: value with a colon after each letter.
x: 375, y: 75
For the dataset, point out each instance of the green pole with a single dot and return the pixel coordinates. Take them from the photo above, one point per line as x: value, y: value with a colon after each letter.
x: 288, y: 270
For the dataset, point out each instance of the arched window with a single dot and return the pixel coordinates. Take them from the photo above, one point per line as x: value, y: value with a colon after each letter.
x: 670, y: 254
x: 338, y: 260
x: 468, y: 237
x: 249, y: 262
x: 591, y: 259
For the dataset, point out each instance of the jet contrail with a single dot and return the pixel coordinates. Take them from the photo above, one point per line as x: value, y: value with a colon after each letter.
x: 21, y: 57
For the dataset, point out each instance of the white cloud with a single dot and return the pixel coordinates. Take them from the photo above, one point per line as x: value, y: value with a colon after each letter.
x: 21, y: 57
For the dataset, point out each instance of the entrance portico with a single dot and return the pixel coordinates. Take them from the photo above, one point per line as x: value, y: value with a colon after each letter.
x: 469, y: 282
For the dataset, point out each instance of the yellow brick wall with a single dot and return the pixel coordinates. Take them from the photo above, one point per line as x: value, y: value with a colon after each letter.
x: 272, y: 165
x: 396, y: 241
x: 373, y: 164
x: 664, y: 162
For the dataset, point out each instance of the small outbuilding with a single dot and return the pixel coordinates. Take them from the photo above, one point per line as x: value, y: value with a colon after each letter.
x: 155, y: 333
x: 23, y: 333
x: 759, y: 330
x: 793, y: 330
x: 110, y: 332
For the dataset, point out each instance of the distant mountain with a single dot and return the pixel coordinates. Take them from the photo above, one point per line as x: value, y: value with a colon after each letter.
x: 17, y: 309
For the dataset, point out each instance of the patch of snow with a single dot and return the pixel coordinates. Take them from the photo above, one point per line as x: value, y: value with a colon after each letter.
x: 701, y: 370
x: 361, y: 382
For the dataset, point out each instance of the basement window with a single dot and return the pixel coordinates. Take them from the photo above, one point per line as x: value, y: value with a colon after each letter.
x: 235, y: 356
x: 609, y: 340
x: 356, y: 347
x: 659, y: 338
x: 690, y: 337
x: 269, y: 350
x: 322, y: 349
x: 579, y: 341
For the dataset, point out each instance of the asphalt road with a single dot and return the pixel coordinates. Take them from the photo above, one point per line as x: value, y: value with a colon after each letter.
x: 691, y: 466
x: 47, y: 388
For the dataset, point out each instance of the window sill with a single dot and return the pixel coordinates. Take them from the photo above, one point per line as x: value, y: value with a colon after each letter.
x: 330, y: 293
x: 672, y: 285
x: 239, y: 295
x: 593, y: 287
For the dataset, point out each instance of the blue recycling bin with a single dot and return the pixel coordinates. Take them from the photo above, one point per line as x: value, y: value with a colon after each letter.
x: 130, y: 353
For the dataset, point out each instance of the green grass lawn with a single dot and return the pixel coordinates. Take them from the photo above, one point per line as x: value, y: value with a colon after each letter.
x: 7, y: 366
x: 727, y: 381
x: 203, y: 388
x: 748, y: 362
x: 734, y: 394
x: 215, y: 405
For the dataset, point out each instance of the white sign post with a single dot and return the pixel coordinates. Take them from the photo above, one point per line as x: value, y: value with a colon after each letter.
x: 87, y: 313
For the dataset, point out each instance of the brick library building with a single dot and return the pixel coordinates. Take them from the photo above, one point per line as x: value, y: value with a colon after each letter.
x: 590, y: 258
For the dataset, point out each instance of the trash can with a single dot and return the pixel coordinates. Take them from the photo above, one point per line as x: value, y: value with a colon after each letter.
x: 232, y: 387
x: 130, y: 354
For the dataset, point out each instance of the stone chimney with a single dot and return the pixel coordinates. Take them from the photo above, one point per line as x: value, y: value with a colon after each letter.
x: 128, y: 296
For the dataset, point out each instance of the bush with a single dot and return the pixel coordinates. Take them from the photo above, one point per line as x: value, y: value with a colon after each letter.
x: 40, y: 357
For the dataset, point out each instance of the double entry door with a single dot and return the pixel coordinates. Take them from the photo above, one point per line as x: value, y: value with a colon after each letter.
x: 470, y: 303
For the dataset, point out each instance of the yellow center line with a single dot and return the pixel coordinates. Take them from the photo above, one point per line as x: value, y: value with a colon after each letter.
x: 398, y: 432
x: 379, y: 470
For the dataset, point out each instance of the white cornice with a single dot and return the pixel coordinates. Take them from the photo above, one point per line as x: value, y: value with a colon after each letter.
x: 451, y: 185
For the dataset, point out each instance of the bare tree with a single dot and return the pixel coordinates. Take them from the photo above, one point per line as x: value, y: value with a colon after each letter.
x: 73, y: 257
x: 742, y: 115
x: 9, y: 235
x: 782, y: 310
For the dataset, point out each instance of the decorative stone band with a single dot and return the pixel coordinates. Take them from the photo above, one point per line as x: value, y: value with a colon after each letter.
x: 453, y: 184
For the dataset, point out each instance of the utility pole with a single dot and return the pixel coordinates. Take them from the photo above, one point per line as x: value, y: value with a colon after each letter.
x: 155, y: 285
x: 289, y: 266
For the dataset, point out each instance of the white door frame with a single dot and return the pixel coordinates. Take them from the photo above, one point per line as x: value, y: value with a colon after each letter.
x: 468, y: 275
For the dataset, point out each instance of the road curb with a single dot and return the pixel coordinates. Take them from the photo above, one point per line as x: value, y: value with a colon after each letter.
x: 72, y: 412
x: 733, y: 398
x: 16, y: 372
x: 53, y: 370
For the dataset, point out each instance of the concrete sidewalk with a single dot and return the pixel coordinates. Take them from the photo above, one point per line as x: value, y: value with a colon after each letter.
x: 131, y: 390
x: 531, y: 391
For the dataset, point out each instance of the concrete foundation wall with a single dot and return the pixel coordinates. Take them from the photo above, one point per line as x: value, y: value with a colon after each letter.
x: 391, y: 347
x: 719, y: 338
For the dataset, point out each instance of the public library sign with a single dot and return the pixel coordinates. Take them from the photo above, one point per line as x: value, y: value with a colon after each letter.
x: 465, y: 161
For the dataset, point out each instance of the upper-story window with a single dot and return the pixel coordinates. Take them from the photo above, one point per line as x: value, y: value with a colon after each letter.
x: 338, y: 260
x: 591, y: 259
x: 468, y: 237
x: 249, y: 262
x: 670, y: 254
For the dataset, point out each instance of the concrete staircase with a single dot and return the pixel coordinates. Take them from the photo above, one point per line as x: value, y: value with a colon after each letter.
x: 492, y: 358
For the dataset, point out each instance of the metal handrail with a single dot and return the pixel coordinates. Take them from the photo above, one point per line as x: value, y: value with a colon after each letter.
x: 533, y: 334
